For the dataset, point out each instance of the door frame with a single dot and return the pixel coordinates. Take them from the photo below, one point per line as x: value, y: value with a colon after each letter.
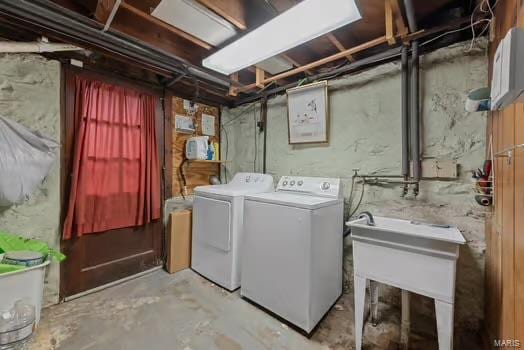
x: 164, y: 137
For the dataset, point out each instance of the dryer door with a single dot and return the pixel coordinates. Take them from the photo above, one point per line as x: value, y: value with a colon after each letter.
x: 212, y: 222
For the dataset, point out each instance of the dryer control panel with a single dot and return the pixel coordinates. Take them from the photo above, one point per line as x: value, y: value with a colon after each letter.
x: 318, y: 186
x: 251, y: 179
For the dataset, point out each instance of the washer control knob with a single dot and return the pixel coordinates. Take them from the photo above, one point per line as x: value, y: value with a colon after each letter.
x: 300, y: 182
x: 292, y: 183
x: 248, y: 179
x: 325, y: 186
x: 284, y: 183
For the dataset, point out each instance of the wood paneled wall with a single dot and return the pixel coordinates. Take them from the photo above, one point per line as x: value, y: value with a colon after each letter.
x: 196, y: 173
x: 505, y: 227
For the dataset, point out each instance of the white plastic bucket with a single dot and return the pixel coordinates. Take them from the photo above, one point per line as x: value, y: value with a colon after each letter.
x: 27, y: 283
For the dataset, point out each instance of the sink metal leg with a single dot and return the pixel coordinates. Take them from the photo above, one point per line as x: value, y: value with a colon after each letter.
x: 373, y: 304
x: 360, y: 298
x: 444, y: 313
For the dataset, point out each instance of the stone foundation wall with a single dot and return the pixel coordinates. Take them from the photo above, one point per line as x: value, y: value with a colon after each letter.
x: 30, y: 95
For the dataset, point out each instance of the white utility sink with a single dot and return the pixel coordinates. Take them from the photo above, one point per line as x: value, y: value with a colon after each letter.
x: 414, y: 256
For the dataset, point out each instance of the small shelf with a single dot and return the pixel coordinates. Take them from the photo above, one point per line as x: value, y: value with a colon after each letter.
x: 206, y: 161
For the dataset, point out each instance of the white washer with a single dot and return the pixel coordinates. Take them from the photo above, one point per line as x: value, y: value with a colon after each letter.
x: 217, y: 227
x: 292, y: 249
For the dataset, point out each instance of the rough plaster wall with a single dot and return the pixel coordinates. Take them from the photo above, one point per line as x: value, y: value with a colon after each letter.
x: 365, y: 134
x: 30, y: 95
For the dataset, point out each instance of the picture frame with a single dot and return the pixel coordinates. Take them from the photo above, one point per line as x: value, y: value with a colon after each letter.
x: 308, y: 114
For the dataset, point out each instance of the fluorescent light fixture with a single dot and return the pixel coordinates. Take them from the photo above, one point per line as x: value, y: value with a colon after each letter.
x: 195, y: 19
x: 305, y: 21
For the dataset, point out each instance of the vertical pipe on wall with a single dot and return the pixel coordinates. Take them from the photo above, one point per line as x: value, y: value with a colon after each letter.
x: 405, y: 116
x: 414, y: 96
x: 410, y: 14
x: 414, y: 115
x: 264, y: 121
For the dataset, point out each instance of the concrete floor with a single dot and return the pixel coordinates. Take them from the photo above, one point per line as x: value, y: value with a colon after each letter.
x: 185, y: 311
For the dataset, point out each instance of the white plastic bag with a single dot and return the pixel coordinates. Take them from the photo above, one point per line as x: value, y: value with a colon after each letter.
x: 26, y: 158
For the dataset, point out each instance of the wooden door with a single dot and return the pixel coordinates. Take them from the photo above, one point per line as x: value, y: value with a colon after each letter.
x: 97, y: 259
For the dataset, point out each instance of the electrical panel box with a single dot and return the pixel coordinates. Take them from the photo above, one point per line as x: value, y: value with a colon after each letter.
x: 507, y: 82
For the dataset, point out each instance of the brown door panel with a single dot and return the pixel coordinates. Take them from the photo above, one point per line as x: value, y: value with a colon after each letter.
x: 128, y: 241
x: 100, y: 258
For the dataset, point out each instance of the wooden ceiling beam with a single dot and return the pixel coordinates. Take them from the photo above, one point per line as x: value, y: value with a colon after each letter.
x: 233, y: 90
x: 103, y: 10
x: 400, y: 23
x: 106, y: 8
x: 295, y: 63
x: 367, y: 45
x: 233, y: 11
x: 259, y: 77
x: 333, y: 39
x: 372, y: 43
x: 166, y: 26
x: 106, y: 11
x: 390, y: 32
x: 139, y: 24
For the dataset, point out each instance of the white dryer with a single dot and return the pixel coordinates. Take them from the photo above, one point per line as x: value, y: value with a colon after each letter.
x: 292, y: 249
x: 217, y: 227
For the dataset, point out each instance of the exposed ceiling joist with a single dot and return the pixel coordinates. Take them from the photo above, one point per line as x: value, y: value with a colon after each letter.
x: 136, y: 23
x: 333, y: 39
x: 106, y: 11
x: 166, y: 26
x: 318, y: 63
x: 367, y: 45
x: 259, y: 77
x: 295, y: 63
x: 390, y: 32
x: 400, y: 23
x: 233, y: 89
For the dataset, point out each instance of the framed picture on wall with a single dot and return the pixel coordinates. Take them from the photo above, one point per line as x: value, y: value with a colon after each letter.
x: 308, y: 113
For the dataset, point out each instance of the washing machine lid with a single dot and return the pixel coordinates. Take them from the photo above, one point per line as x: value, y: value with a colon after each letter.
x: 303, y: 201
x: 240, y: 185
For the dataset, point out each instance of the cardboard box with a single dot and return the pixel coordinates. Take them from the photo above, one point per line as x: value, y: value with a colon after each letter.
x: 179, y: 241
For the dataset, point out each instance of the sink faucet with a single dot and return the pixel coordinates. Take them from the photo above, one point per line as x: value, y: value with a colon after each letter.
x: 369, y: 218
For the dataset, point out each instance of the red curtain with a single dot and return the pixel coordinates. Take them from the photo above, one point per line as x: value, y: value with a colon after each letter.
x: 116, y: 176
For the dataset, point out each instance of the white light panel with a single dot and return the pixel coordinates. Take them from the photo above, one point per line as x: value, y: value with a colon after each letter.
x: 195, y: 19
x: 303, y: 22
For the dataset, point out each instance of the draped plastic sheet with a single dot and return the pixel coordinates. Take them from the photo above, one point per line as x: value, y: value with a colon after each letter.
x: 26, y: 157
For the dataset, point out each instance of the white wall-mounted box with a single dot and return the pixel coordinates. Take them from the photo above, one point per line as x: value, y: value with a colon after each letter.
x: 184, y: 124
x: 507, y: 82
